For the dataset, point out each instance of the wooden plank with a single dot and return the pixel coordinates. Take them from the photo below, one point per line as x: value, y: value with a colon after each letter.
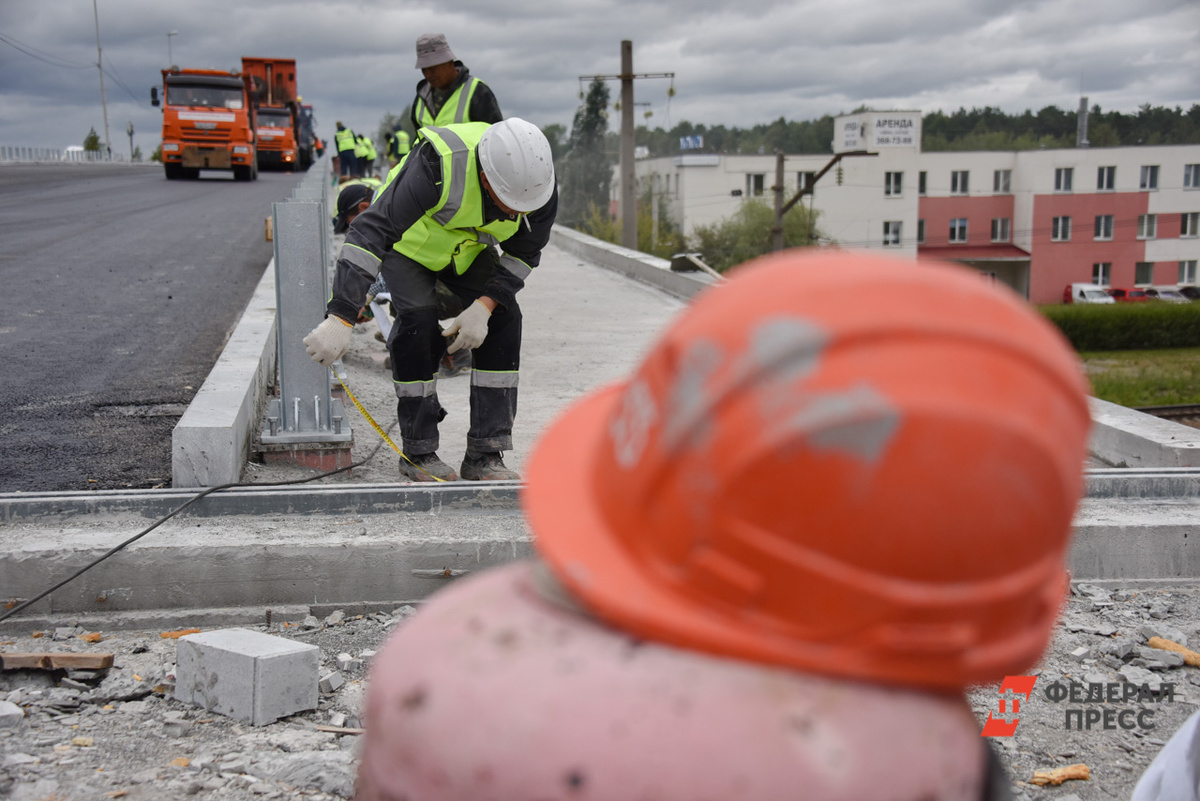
x: 55, y: 661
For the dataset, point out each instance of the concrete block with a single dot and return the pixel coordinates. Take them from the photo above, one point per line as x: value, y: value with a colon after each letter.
x: 331, y: 681
x: 246, y: 675
x: 10, y: 714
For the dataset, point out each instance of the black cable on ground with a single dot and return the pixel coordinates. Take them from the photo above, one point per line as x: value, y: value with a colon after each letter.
x: 116, y: 549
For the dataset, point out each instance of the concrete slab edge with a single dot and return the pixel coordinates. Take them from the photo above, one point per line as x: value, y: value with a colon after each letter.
x: 172, y: 576
x: 323, y: 499
x: 1124, y: 437
x: 631, y: 263
x: 211, y: 442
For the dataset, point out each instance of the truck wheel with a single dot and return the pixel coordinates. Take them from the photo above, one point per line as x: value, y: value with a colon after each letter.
x: 243, y: 173
x: 174, y: 171
x: 192, y: 173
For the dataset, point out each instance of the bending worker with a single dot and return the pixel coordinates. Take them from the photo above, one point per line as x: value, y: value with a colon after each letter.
x: 465, y: 190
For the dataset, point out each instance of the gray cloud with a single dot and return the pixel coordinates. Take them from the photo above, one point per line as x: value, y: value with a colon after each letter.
x: 734, y: 64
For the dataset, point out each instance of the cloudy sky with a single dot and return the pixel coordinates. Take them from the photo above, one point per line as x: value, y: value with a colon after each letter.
x: 735, y: 63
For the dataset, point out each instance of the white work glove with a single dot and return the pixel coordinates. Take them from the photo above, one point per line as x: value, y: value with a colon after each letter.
x: 328, y: 341
x: 471, y: 327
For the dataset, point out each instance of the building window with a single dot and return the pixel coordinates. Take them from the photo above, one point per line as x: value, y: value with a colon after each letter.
x: 1104, y: 226
x: 1063, y: 177
x: 1101, y: 272
x: 891, y: 233
x: 893, y: 183
x: 920, y: 232
x: 1191, y: 176
x: 1187, y: 272
x: 805, y: 179
x: 958, y: 229
x: 1106, y: 178
x: 755, y: 184
x: 959, y: 182
x: 1000, y: 229
x: 1189, y: 224
x: 1149, y: 177
x: 921, y: 182
x: 1002, y: 182
x: 1060, y: 230
x: 1143, y: 273
x: 1147, y: 226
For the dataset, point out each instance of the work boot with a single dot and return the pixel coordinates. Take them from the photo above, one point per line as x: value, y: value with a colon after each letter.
x: 487, y: 467
x: 425, y: 467
x: 454, y: 363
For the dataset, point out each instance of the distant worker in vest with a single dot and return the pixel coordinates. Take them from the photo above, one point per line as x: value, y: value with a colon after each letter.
x: 364, y: 151
x: 398, y: 145
x: 836, y: 494
x: 345, y: 141
x: 448, y: 94
x: 471, y: 206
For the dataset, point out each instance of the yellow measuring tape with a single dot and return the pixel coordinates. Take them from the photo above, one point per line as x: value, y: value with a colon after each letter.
x: 380, y: 431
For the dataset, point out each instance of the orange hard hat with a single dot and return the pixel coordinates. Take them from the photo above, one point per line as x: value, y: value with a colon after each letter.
x: 840, y: 462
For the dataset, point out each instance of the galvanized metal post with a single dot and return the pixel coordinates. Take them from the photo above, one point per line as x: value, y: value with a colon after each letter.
x: 305, y: 411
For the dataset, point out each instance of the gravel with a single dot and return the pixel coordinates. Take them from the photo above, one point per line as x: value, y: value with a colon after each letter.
x: 121, y: 734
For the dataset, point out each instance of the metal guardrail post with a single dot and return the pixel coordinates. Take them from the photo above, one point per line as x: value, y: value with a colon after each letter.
x: 305, y: 411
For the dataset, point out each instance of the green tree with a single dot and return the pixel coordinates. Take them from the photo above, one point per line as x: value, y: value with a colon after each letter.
x: 91, y: 142
x: 663, y: 240
x: 157, y: 154
x: 137, y: 154
x: 747, y: 234
x: 585, y: 169
x: 554, y: 135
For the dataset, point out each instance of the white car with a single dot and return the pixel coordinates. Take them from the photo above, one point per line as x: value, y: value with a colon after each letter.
x: 1167, y: 293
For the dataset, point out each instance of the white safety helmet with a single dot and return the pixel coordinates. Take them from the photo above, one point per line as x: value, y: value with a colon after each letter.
x: 516, y: 159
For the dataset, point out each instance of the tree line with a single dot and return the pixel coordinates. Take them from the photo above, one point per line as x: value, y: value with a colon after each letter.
x: 984, y: 128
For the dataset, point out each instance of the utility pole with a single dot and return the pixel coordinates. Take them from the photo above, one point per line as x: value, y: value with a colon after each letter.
x: 170, y: 58
x: 100, y: 66
x: 628, y: 179
x: 777, y: 229
x: 129, y: 130
x: 782, y: 208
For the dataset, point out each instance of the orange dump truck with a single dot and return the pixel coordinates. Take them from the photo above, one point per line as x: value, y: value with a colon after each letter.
x: 278, y: 104
x: 208, y: 123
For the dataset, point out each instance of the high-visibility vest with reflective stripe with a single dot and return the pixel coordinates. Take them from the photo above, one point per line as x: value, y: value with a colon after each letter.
x: 453, y: 230
x: 398, y: 144
x: 344, y: 140
x: 454, y: 111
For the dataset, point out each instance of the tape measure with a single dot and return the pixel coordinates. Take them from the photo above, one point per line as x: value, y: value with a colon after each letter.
x: 379, y: 430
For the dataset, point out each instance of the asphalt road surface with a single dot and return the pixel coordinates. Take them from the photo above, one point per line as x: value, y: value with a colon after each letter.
x: 118, y: 290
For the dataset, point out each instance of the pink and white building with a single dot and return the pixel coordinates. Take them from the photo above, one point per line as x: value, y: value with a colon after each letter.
x: 1035, y: 220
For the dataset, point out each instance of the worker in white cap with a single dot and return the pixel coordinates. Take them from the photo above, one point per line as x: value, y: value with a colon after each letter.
x: 448, y: 94
x: 472, y: 207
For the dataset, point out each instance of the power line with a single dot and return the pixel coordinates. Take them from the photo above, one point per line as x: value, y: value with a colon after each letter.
x: 43, y: 56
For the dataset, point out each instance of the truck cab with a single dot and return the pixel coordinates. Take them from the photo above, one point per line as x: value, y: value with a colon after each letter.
x: 208, y: 123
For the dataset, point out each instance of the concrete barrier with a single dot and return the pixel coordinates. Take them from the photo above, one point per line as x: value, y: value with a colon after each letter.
x: 631, y: 263
x: 1123, y: 437
x: 211, y: 442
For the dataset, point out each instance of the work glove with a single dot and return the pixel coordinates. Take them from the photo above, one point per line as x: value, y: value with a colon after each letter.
x: 328, y: 341
x: 471, y: 327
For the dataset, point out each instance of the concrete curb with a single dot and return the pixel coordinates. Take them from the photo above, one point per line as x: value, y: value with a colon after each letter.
x: 1123, y: 437
x: 211, y: 442
x: 630, y: 263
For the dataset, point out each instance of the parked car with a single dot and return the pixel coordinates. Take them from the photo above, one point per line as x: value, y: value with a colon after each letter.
x: 1166, y: 293
x: 1125, y: 295
x: 1190, y: 292
x: 1085, y: 293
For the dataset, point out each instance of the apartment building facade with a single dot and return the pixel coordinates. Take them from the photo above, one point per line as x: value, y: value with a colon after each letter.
x: 1033, y: 220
